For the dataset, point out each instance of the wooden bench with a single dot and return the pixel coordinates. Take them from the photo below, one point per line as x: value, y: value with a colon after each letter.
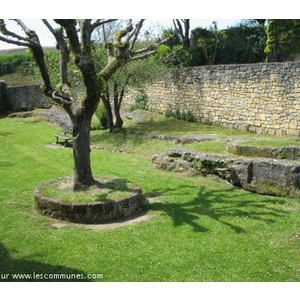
x: 65, y: 138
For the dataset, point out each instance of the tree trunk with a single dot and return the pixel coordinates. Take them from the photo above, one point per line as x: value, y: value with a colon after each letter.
x: 119, y: 121
x: 117, y: 106
x: 81, y: 151
x: 110, y: 119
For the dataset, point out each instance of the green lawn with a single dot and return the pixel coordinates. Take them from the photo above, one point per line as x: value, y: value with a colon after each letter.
x: 133, y: 140
x: 200, y: 230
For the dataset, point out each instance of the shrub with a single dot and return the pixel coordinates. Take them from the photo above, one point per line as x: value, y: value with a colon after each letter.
x: 176, y: 56
x: 11, y: 63
x: 102, y: 116
x: 177, y: 114
x: 168, y: 113
x: 190, y: 117
x: 141, y: 102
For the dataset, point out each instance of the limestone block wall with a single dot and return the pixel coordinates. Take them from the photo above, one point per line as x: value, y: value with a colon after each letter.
x: 263, y: 98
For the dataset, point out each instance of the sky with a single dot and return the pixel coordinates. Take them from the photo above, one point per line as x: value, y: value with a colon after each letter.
x: 47, y: 39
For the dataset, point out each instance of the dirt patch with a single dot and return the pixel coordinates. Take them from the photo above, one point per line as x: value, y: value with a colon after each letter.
x: 53, y: 146
x: 106, y: 226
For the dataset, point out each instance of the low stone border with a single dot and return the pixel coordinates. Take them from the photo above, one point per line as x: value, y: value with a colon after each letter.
x: 260, y: 175
x: 187, y: 139
x: 288, y: 152
x: 90, y: 213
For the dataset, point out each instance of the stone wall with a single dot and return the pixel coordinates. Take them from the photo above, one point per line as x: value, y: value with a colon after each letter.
x: 25, y: 97
x: 262, y: 98
x: 2, y: 93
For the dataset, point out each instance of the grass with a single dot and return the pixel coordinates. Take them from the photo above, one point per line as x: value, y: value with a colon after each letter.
x: 111, y: 189
x: 132, y: 138
x: 201, y: 230
x: 18, y: 78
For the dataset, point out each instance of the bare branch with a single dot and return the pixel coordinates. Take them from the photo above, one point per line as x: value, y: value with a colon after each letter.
x: 100, y: 22
x: 49, y: 27
x: 143, y: 56
x: 109, y: 51
x: 64, y: 58
x: 135, y: 33
x: 121, y: 53
x: 23, y: 26
x: 70, y: 26
x: 85, y: 34
x: 178, y: 28
x: 142, y: 50
x: 6, y: 32
x: 150, y: 50
x: 6, y: 40
x: 104, y: 33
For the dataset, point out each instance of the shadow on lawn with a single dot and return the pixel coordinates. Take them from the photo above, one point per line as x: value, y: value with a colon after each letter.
x: 10, y: 266
x: 177, y: 127
x: 218, y: 205
x: 119, y: 138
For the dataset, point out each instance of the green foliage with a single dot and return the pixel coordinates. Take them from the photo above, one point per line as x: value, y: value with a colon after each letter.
x: 210, y: 44
x: 243, y: 44
x: 177, y: 114
x: 12, y: 63
x: 175, y: 40
x: 283, y: 37
x: 177, y: 56
x: 102, y: 116
x: 137, y: 74
x: 168, y: 113
x: 141, y: 102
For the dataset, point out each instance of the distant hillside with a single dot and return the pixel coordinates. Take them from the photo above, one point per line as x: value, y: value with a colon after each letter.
x: 21, y: 50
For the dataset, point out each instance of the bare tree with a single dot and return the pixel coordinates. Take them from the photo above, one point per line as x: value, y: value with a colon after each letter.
x: 182, y: 26
x: 74, y: 40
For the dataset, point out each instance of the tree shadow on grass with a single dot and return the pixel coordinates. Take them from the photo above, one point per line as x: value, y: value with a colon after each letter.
x: 119, y: 138
x: 219, y: 205
x: 172, y: 126
x: 10, y: 267
x: 6, y: 164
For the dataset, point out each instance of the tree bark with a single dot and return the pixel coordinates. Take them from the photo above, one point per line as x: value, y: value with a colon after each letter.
x: 119, y: 121
x: 117, y: 106
x: 110, y: 118
x: 81, y: 153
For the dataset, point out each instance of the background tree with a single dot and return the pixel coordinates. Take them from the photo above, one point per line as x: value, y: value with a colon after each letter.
x: 135, y: 74
x: 282, y: 39
x: 182, y: 26
x: 74, y: 42
x: 245, y: 43
x: 210, y: 45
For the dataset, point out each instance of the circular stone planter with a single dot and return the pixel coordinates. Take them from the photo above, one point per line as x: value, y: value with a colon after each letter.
x: 96, y: 212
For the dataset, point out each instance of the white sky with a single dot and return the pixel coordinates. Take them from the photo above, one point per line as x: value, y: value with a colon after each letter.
x: 48, y: 40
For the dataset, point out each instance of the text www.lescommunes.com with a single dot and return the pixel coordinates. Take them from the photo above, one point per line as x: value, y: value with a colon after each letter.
x: 40, y: 276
